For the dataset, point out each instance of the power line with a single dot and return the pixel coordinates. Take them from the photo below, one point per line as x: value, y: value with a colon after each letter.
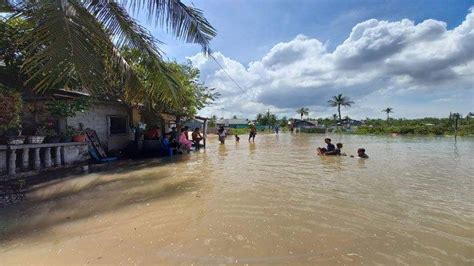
x: 228, y: 75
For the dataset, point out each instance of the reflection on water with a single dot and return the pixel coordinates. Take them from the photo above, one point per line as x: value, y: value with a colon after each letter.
x: 273, y: 201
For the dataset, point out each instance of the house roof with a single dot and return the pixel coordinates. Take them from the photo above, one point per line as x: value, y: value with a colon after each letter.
x: 238, y: 121
x: 299, y: 121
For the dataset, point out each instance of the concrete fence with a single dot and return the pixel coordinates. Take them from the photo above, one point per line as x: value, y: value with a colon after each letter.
x: 16, y: 159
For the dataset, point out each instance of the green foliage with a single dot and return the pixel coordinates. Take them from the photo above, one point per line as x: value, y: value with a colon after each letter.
x: 268, y: 119
x: 338, y: 101
x: 11, y: 106
x: 283, y: 122
x: 193, y: 95
x: 212, y: 121
x: 47, y: 129
x: 76, y: 43
x: 11, y: 48
x: 423, y: 126
x: 68, y: 108
x: 70, y: 131
x: 239, y: 131
x: 189, y: 96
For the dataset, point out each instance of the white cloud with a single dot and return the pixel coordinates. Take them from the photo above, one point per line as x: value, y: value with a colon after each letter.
x: 399, y: 64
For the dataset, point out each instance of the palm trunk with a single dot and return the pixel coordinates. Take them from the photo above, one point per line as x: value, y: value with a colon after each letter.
x: 388, y: 117
x: 339, y: 111
x: 301, y: 116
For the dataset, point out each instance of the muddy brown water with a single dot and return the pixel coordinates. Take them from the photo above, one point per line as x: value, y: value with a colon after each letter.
x: 269, y: 202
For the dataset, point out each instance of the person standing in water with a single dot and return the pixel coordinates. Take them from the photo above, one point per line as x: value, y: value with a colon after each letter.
x: 222, y: 133
x: 361, y: 154
x: 277, y: 129
x: 253, y: 132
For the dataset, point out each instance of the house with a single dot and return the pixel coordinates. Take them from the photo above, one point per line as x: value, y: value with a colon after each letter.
x: 110, y: 119
x: 194, y: 123
x: 233, y: 123
x: 348, y: 123
x: 298, y: 123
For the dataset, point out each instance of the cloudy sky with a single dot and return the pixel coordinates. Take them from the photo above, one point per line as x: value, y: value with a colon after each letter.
x: 414, y: 56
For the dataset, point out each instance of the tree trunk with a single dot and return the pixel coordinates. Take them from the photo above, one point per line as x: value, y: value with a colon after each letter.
x: 388, y: 117
x: 339, y: 111
x: 301, y: 116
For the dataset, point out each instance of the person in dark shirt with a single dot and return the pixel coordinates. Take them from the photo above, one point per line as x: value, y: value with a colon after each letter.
x: 337, y: 151
x: 361, y: 154
x: 330, y: 147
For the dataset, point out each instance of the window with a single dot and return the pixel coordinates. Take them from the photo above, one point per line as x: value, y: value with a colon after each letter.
x: 118, y: 125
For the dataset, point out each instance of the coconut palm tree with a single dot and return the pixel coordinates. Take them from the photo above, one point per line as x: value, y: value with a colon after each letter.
x: 338, y: 101
x: 80, y: 41
x: 302, y: 111
x: 388, y: 110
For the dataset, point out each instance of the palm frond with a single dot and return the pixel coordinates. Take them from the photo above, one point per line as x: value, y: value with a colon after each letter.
x: 7, y: 6
x: 125, y: 31
x: 185, y: 22
x: 66, y: 42
x: 128, y: 33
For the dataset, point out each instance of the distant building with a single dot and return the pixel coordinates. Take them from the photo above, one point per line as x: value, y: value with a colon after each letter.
x: 194, y: 123
x: 233, y: 123
x: 298, y: 123
x: 347, y: 122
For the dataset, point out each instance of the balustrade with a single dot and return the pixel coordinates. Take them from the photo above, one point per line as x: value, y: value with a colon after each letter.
x: 45, y: 155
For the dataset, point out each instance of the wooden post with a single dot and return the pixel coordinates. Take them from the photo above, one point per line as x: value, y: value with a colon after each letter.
x: 25, y: 156
x: 57, y: 158
x: 12, y: 162
x: 47, y: 157
x: 205, y: 133
x: 36, y: 159
x: 456, y: 118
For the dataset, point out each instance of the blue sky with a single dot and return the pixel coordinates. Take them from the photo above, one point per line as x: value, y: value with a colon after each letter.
x: 247, y: 29
x: 248, y: 32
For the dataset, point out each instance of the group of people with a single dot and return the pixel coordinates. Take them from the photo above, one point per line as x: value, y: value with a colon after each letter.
x: 222, y: 134
x: 332, y: 150
x: 175, y: 138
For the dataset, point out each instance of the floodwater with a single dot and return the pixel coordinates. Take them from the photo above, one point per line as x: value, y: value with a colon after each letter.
x: 272, y: 202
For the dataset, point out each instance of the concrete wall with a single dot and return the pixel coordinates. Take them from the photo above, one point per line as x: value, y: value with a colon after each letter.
x: 3, y: 160
x: 97, y: 118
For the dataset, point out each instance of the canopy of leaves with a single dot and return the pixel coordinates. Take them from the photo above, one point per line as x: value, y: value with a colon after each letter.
x: 191, y: 96
x: 71, y: 43
x: 68, y: 108
x: 11, y: 108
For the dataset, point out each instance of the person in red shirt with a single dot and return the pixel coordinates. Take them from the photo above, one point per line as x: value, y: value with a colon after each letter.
x: 153, y: 133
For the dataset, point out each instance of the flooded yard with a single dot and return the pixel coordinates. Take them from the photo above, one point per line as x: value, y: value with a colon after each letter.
x: 272, y: 201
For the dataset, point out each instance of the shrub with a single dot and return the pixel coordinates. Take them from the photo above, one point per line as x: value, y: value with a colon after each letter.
x: 11, y: 106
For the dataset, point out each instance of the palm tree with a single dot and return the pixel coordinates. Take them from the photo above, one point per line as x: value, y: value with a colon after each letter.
x: 339, y: 101
x: 388, y: 110
x: 469, y: 115
x: 302, y: 111
x: 79, y: 42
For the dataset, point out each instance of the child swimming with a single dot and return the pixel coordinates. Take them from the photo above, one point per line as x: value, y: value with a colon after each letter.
x: 361, y: 154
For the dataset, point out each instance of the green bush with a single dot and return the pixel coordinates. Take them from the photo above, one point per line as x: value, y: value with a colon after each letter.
x: 423, y: 126
x: 11, y: 105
